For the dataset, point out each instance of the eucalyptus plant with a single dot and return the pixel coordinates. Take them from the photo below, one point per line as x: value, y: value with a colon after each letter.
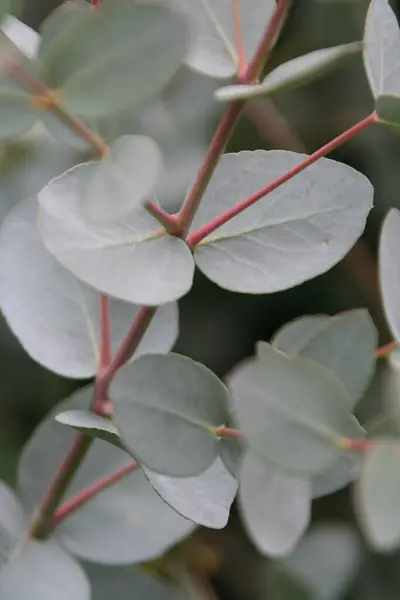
x: 92, y: 267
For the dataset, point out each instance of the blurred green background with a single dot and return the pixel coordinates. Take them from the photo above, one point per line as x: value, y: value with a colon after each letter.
x: 219, y: 328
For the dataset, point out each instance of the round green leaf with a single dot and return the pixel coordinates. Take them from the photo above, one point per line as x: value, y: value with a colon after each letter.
x: 43, y: 571
x: 123, y: 179
x: 377, y: 495
x: 55, y: 316
x: 345, y: 344
x: 293, y: 73
x: 166, y: 410
x: 298, y: 231
x: 213, y: 48
x: 293, y: 411
x: 64, y: 18
x: 275, y: 506
x: 125, y: 523
x: 205, y: 499
x: 389, y: 269
x: 131, y: 258
x: 126, y: 583
x: 141, y: 48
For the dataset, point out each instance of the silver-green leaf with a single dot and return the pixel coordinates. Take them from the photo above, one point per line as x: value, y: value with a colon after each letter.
x: 294, y: 73
x: 298, y: 231
x: 166, y: 409
x: 131, y: 258
x: 377, y: 495
x: 293, y: 412
x: 275, y: 506
x: 142, y: 47
x: 59, y: 326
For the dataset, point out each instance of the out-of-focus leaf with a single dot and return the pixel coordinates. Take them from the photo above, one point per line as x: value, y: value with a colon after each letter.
x: 275, y: 506
x: 345, y: 344
x: 296, y: 232
x: 132, y: 258
x: 293, y: 412
x: 63, y: 18
x: 125, y: 523
x: 321, y: 567
x: 56, y: 317
x: 24, y: 37
x: 123, y: 179
x: 389, y: 270
x: 377, y: 495
x: 166, y: 410
x: 296, y: 72
x: 344, y: 470
x: 125, y: 583
x: 205, y: 499
x: 142, y: 47
x: 43, y: 571
x: 213, y: 49
x: 12, y: 523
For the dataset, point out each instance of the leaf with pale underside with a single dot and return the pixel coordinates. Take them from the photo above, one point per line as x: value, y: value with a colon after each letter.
x: 204, y: 499
x: 275, y: 506
x: 142, y: 47
x: 377, y: 494
x: 123, y: 179
x: 126, y: 523
x: 293, y: 234
x: 91, y: 424
x: 212, y: 51
x: 166, y: 409
x: 293, y: 412
x: 59, y: 326
x: 292, y: 74
x: 132, y: 258
x: 382, y: 59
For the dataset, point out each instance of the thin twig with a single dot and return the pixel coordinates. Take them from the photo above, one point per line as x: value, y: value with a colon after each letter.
x: 242, y: 64
x: 65, y: 509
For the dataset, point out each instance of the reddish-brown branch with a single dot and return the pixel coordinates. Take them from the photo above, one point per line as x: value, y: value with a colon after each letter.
x: 229, y: 120
x: 385, y: 350
x: 267, y: 42
x: 242, y: 64
x: 105, y: 340
x: 92, y: 490
x: 228, y: 432
x: 56, y: 490
x: 95, y: 3
x: 170, y: 222
x: 197, y: 236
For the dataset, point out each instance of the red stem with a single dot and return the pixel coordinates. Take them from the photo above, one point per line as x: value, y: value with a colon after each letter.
x: 267, y: 41
x: 105, y: 341
x: 228, y: 432
x: 198, y: 235
x: 229, y: 119
x: 95, y: 3
x: 39, y: 527
x: 170, y: 222
x: 92, y: 490
x: 385, y: 350
x: 242, y: 66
